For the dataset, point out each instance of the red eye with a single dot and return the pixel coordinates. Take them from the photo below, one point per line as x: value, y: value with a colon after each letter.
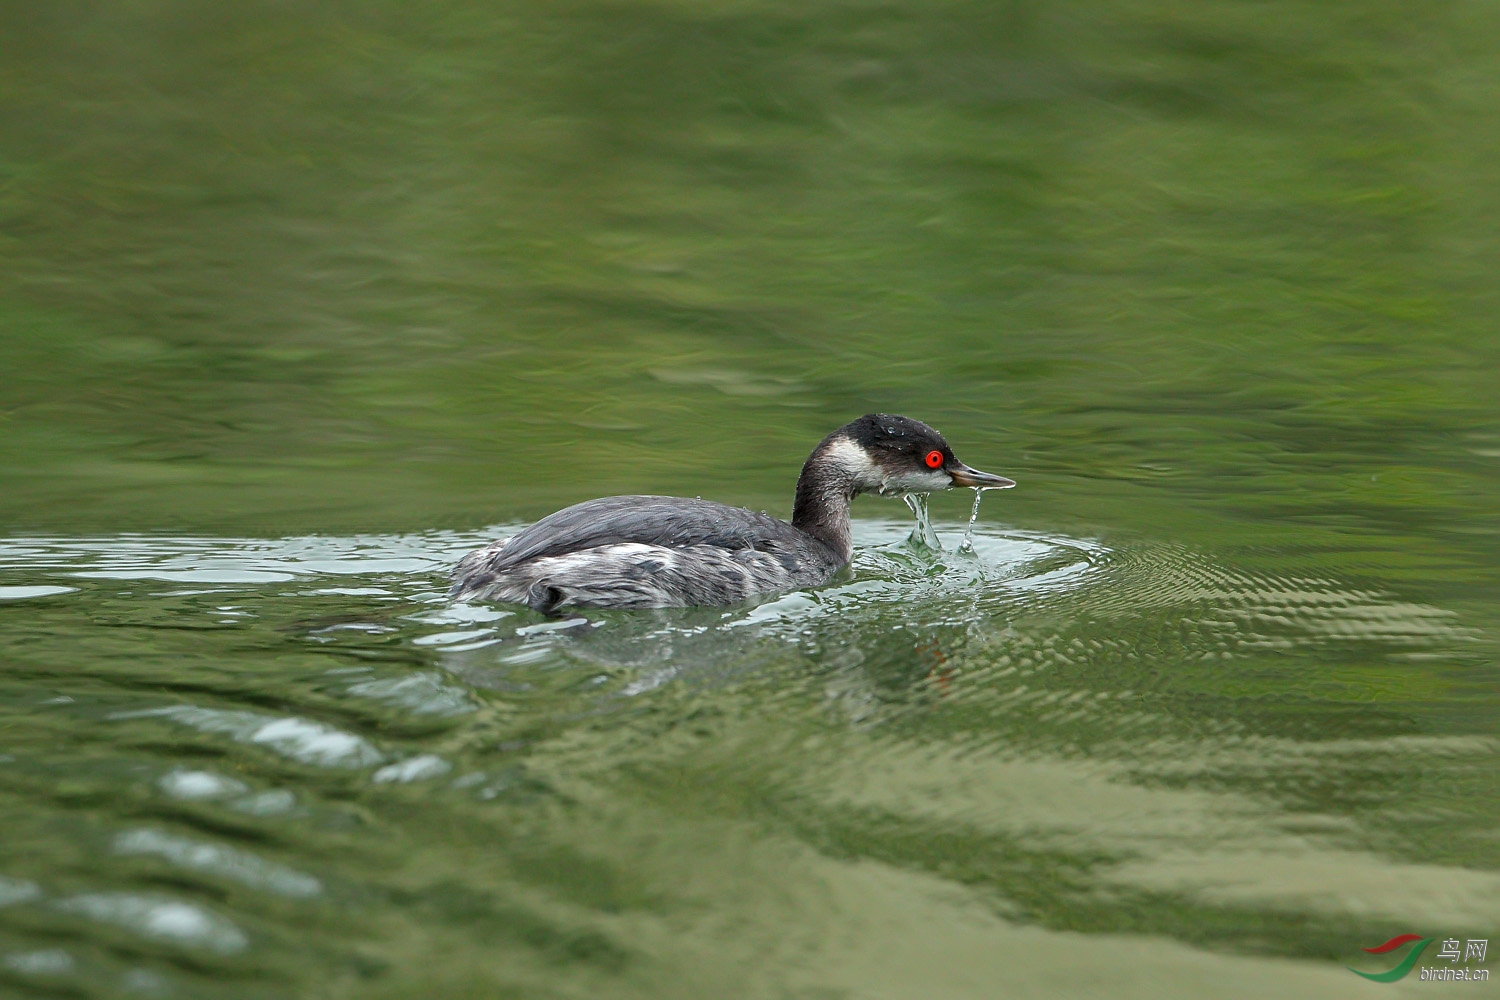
x: 934, y: 460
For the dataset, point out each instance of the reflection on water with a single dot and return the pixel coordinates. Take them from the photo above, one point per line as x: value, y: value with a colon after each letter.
x: 234, y: 766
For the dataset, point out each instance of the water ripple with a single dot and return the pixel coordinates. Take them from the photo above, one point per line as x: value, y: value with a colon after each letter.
x: 226, y: 861
x: 300, y: 739
x: 1048, y: 730
x: 163, y: 919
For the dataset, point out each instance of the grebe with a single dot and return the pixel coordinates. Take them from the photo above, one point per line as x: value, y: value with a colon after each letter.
x: 660, y: 552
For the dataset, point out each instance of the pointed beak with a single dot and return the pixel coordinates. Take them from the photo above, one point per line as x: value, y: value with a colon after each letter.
x: 974, y: 479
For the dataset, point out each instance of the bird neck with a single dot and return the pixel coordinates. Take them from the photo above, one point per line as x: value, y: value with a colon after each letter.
x: 825, y: 489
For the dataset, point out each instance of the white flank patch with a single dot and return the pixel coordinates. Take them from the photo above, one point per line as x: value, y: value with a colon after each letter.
x: 590, y: 561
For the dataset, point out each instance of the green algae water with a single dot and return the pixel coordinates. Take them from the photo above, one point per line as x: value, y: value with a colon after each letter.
x: 300, y: 303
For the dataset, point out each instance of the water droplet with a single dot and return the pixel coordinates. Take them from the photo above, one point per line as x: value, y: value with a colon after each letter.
x: 923, y: 533
x: 967, y: 545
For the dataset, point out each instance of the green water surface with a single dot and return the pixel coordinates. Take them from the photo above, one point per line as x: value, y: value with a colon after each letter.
x: 299, y: 302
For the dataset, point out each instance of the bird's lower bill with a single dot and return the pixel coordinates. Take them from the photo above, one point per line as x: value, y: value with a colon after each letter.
x: 974, y: 479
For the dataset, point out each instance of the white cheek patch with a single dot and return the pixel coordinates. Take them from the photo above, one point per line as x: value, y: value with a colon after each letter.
x: 856, y: 463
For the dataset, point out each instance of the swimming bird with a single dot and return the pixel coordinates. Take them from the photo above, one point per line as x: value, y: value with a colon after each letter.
x: 659, y: 552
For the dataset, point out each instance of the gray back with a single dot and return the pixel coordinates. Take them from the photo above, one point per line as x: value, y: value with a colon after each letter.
x: 652, y: 520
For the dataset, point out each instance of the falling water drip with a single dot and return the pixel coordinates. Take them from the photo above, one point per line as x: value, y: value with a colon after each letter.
x: 923, y: 533
x: 967, y: 545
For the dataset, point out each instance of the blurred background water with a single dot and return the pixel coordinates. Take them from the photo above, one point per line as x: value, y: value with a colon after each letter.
x: 298, y: 303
